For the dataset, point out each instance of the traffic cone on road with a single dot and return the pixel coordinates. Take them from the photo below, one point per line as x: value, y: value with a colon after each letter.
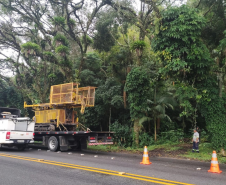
x: 214, y: 167
x: 145, y: 157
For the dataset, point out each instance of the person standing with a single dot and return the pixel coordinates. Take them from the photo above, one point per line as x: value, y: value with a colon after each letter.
x: 195, y: 141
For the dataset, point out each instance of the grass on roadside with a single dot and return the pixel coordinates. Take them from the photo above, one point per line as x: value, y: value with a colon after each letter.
x: 112, y: 148
x: 204, y: 148
x: 173, y: 148
x: 205, y: 154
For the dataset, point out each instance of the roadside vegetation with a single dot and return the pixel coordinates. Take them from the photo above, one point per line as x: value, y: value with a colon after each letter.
x: 159, y: 67
x: 176, y: 150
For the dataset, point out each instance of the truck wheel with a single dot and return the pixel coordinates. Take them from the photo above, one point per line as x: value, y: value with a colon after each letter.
x: 53, y: 144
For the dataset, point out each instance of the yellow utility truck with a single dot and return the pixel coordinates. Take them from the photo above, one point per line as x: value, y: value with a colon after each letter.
x: 57, y: 124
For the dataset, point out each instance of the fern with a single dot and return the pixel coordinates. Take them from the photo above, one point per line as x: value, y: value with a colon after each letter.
x: 138, y: 45
x: 60, y: 39
x: 57, y: 21
x: 62, y: 49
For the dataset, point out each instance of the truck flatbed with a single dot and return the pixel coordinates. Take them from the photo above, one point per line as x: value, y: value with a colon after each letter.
x: 63, y: 140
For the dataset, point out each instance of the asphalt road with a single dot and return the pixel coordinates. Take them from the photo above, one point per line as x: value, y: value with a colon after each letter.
x: 41, y: 167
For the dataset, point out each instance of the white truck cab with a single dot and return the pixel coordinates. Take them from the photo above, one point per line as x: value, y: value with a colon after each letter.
x: 16, y: 131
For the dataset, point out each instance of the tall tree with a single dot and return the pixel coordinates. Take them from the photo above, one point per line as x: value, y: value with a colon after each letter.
x: 137, y: 87
x: 45, y: 37
x: 183, y: 54
x: 184, y: 57
x: 213, y: 34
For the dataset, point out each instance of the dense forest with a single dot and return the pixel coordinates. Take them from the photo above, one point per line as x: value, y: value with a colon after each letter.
x: 159, y: 65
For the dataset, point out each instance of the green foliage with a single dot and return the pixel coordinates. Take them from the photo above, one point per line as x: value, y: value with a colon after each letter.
x: 222, y: 44
x: 145, y: 140
x: 138, y: 45
x: 62, y: 50
x: 48, y: 54
x: 11, y: 97
x: 108, y: 97
x: 33, y: 47
x: 187, y: 96
x: 117, y: 101
x: 58, y: 21
x: 30, y: 49
x: 87, y: 40
x: 119, y: 59
x: 214, y: 12
x: 106, y: 33
x: 171, y: 136
x: 178, y: 43
x: 60, y: 39
x: 137, y: 87
x: 162, y: 101
x: 43, y: 44
x: 71, y: 22
x: 215, y: 114
x: 91, y: 75
x: 52, y: 75
x: 122, y: 135
x: 220, y: 55
x: 110, y: 93
x: 186, y: 59
x: 65, y: 62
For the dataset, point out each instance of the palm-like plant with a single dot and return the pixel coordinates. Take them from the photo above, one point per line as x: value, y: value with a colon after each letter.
x: 157, y: 108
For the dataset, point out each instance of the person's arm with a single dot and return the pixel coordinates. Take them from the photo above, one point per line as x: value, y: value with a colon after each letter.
x: 197, y: 138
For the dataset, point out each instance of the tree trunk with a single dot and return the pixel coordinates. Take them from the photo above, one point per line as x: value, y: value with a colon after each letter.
x: 124, y: 99
x: 155, y: 114
x: 81, y: 64
x: 224, y: 78
x: 149, y: 126
x: 110, y: 120
x: 183, y: 124
x: 136, y: 131
x: 220, y: 85
x: 155, y: 127
x: 158, y: 125
x: 142, y: 35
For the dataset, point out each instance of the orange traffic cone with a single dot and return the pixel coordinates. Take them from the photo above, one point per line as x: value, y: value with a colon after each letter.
x: 145, y: 157
x: 214, y: 167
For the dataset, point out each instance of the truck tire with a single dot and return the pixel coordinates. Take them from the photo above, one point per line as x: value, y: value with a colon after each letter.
x: 53, y: 144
